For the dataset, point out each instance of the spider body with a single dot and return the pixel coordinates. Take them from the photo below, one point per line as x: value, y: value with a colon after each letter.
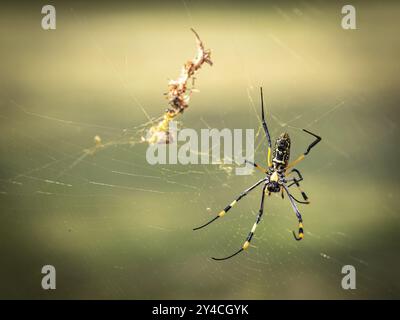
x: 275, y: 180
x: 281, y: 153
x: 280, y: 161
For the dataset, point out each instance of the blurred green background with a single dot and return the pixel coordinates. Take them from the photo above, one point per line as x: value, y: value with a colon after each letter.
x: 117, y: 228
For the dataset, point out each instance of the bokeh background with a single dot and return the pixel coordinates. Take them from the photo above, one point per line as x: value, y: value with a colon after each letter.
x: 117, y: 228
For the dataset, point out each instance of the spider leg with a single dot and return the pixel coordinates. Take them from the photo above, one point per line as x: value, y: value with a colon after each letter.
x: 300, y: 177
x: 246, y: 244
x: 296, y: 182
x: 318, y: 139
x: 228, y: 207
x: 299, y: 201
x: 298, y: 215
x: 256, y: 166
x: 264, y: 124
x: 228, y: 257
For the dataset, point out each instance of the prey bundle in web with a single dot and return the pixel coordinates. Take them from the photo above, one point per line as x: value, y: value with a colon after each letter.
x: 178, y: 94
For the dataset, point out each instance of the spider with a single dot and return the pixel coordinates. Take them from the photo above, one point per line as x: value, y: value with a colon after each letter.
x: 276, y: 180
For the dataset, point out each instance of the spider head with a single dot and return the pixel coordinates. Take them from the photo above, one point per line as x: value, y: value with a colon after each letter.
x: 273, y: 186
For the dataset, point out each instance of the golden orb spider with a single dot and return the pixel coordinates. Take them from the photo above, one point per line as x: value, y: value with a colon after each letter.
x: 274, y: 181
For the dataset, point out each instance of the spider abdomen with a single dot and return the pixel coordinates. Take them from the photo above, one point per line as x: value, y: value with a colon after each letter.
x: 281, y: 153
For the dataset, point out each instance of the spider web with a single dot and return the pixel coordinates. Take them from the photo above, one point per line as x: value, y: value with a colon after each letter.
x: 116, y: 227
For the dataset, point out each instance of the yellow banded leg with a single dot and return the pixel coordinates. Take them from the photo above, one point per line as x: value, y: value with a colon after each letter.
x: 297, y: 183
x: 232, y: 204
x: 228, y: 207
x: 263, y: 170
x: 269, y: 157
x: 264, y: 124
x: 301, y: 230
x: 303, y: 194
x: 246, y: 244
x: 292, y: 164
x: 298, y: 215
x: 312, y: 145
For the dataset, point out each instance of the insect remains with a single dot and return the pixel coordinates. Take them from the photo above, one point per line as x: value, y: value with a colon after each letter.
x: 179, y: 94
